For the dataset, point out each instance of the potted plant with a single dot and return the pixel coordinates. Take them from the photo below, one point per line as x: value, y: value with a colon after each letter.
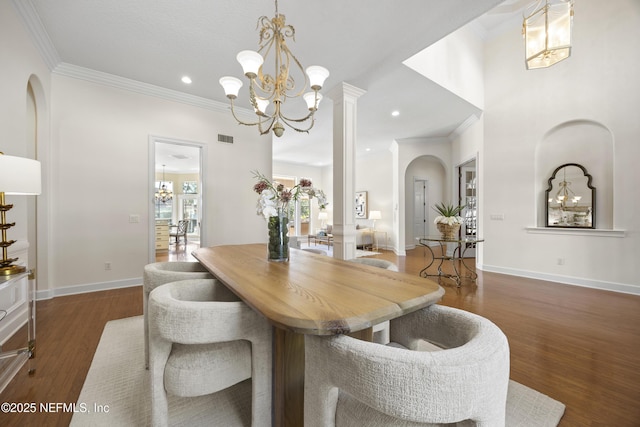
x: 449, y: 220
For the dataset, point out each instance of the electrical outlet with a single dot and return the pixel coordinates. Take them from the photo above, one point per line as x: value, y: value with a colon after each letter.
x: 107, y: 266
x: 497, y: 217
x: 560, y: 261
x: 134, y: 219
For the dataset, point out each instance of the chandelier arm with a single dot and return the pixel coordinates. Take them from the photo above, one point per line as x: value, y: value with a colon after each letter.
x: 233, y: 112
x: 301, y: 68
x: 286, y: 122
x: 300, y: 120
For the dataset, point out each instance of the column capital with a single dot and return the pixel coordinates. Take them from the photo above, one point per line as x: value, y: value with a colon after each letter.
x: 343, y: 90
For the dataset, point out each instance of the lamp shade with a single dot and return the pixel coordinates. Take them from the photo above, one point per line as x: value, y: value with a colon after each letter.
x: 231, y: 86
x: 375, y: 215
x: 323, y: 215
x: 251, y: 62
x: 19, y: 175
x: 310, y: 99
x: 317, y: 76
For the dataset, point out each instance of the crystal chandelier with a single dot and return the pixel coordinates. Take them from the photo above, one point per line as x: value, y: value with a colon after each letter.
x: 163, y: 194
x: 547, y: 33
x: 265, y: 89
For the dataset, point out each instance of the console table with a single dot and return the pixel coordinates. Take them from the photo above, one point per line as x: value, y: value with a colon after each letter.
x: 462, y: 244
x: 17, y: 307
x: 375, y: 239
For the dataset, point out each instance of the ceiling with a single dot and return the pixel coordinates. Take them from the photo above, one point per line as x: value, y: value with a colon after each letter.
x: 361, y: 42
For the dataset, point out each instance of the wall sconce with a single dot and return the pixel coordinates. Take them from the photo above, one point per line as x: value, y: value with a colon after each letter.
x: 18, y: 176
x: 547, y: 33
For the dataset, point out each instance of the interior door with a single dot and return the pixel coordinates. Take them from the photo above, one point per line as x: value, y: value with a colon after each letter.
x: 420, y: 208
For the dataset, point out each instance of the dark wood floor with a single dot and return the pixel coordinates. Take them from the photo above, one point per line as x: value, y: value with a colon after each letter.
x: 580, y: 346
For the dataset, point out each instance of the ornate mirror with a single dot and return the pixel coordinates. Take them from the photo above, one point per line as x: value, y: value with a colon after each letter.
x: 570, y: 198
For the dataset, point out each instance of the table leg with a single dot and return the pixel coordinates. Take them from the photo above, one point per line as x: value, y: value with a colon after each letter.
x: 288, y: 375
x: 288, y: 378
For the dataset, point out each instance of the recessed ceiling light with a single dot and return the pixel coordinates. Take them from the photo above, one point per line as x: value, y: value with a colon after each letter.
x: 367, y: 149
x: 395, y: 113
x: 186, y: 80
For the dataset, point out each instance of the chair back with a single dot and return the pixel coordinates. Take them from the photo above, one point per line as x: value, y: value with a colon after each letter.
x: 182, y: 226
x: 466, y: 380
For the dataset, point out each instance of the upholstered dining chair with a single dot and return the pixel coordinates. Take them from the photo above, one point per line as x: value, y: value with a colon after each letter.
x: 204, y: 340
x: 349, y: 382
x: 159, y: 273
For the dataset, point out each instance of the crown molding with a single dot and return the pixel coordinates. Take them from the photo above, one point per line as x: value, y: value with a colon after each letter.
x: 463, y: 126
x: 36, y: 30
x: 106, y: 79
x: 45, y: 46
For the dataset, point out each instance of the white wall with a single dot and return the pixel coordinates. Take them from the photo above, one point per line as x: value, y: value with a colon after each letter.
x: 100, y: 141
x: 373, y: 175
x: 597, y: 84
x: 20, y: 63
x: 408, y: 150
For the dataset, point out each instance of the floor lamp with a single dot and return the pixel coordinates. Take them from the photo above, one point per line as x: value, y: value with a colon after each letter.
x: 18, y: 176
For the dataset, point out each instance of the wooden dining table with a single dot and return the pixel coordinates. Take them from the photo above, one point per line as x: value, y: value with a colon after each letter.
x: 312, y: 294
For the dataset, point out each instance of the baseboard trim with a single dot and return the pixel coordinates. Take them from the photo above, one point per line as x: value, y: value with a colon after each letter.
x: 91, y: 287
x: 567, y: 280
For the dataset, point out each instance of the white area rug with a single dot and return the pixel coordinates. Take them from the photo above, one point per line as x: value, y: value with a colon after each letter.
x: 329, y: 250
x: 118, y: 381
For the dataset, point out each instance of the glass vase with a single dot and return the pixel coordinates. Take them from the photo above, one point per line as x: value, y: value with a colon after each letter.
x: 278, y: 247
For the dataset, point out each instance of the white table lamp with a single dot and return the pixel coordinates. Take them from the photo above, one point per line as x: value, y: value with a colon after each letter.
x: 18, y: 176
x: 374, y: 215
x: 322, y: 216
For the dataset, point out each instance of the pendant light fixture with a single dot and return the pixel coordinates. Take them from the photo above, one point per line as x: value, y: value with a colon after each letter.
x: 163, y: 195
x: 265, y: 89
x: 547, y: 33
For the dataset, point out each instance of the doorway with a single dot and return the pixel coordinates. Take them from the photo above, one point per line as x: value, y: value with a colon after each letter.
x: 467, y: 196
x: 178, y: 168
x: 420, y: 211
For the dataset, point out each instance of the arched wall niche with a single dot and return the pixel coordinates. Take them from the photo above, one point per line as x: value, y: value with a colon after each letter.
x: 434, y: 170
x: 588, y: 143
x: 38, y: 147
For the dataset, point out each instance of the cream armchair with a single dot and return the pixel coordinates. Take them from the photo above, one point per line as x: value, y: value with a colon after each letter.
x: 159, y: 273
x: 204, y: 340
x: 349, y: 382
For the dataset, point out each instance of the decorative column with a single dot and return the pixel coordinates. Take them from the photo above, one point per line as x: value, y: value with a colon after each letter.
x: 345, y: 109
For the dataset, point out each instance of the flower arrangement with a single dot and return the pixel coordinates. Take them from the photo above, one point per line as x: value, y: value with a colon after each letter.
x: 449, y: 214
x: 275, y: 197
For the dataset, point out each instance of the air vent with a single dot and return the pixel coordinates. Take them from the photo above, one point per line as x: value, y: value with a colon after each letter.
x: 225, y: 138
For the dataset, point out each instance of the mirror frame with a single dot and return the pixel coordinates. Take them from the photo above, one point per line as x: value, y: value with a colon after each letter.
x: 593, y: 197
